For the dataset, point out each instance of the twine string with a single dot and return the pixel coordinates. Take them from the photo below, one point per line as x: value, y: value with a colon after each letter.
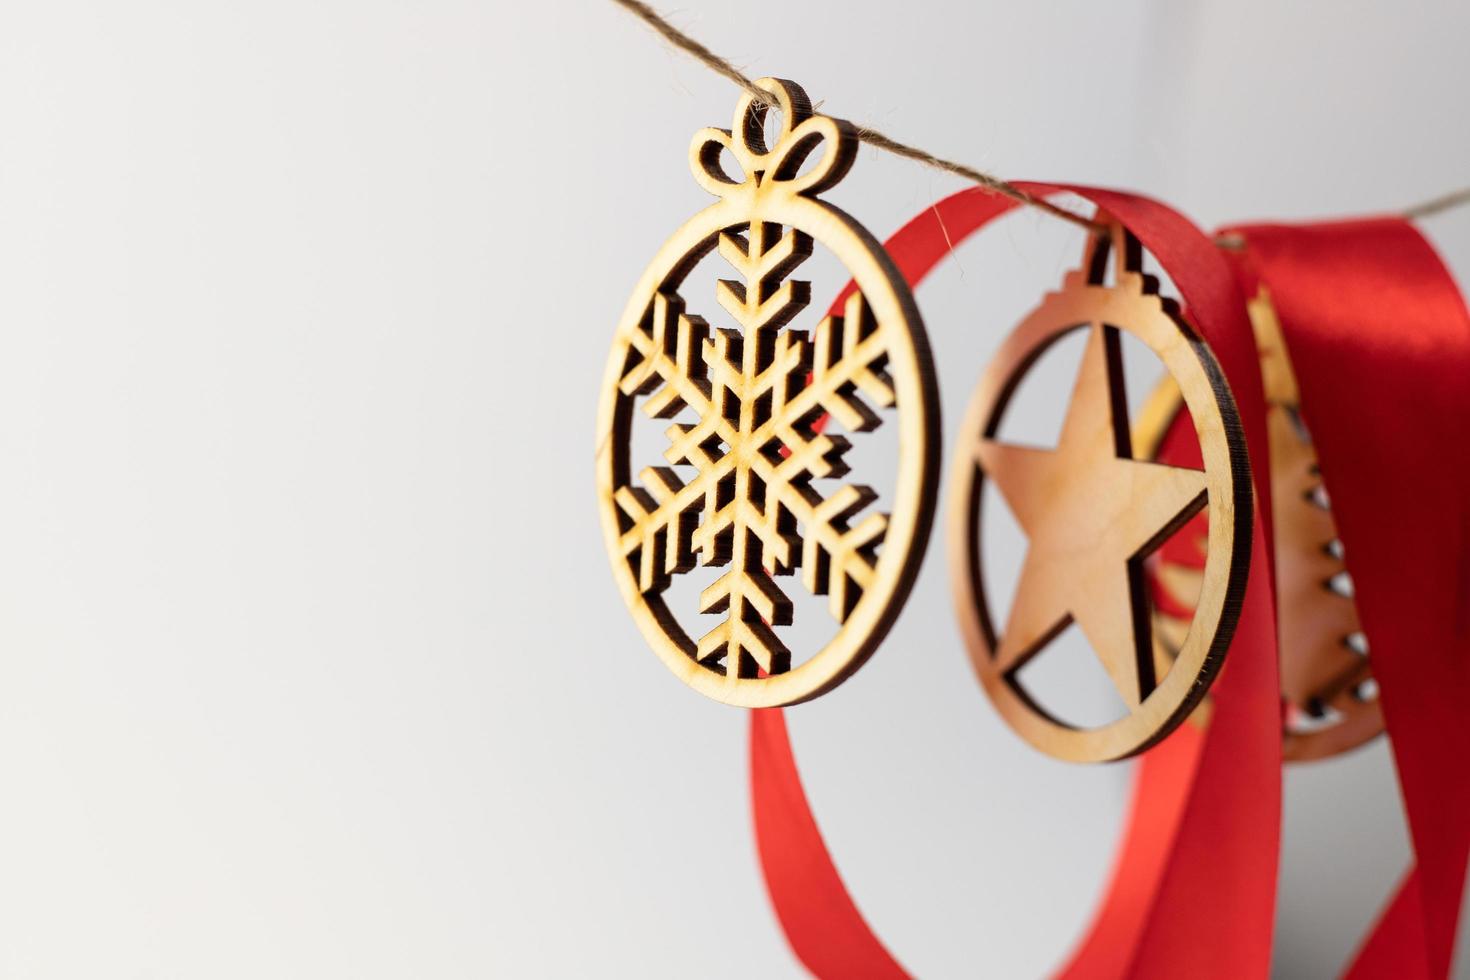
x: 867, y: 134
x: 1438, y: 205
x: 988, y: 182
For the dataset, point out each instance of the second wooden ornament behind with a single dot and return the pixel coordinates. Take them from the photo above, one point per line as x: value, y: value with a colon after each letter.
x: 1093, y: 513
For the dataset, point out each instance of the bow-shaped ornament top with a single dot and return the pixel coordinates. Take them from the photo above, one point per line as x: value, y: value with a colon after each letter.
x: 775, y: 170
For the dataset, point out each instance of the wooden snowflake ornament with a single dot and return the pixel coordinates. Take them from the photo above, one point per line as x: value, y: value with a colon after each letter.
x: 1093, y: 513
x: 754, y: 484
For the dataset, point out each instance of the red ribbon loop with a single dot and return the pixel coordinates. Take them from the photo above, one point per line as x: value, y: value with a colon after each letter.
x: 1203, y: 838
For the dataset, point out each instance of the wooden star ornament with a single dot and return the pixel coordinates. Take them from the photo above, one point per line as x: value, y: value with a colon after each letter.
x: 1092, y: 513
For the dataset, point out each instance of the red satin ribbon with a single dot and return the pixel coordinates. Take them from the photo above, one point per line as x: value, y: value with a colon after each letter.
x: 1380, y: 341
x: 1194, y: 893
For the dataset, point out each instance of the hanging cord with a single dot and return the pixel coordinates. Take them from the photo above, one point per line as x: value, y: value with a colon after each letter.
x: 988, y: 182
x: 867, y: 134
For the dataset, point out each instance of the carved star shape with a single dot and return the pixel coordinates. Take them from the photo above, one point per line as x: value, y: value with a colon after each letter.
x: 1092, y: 513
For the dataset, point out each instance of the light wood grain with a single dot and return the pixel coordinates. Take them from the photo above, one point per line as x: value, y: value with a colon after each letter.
x: 738, y: 492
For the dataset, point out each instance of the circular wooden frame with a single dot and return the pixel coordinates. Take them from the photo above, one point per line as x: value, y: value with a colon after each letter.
x: 1132, y: 306
x: 868, y: 583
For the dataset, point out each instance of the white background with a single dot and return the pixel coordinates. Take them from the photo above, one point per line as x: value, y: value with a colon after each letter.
x: 311, y: 664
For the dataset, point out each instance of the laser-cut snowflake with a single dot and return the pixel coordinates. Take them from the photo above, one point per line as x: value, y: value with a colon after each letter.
x: 760, y: 394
